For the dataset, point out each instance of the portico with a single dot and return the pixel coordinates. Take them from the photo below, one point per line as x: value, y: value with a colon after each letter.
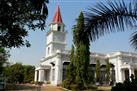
x: 127, y: 70
x: 42, y: 73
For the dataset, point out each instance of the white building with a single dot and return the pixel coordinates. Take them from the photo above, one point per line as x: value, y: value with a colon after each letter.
x: 52, y: 67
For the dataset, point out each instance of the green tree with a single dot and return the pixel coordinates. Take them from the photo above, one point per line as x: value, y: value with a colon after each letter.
x: 111, y: 16
x: 14, y: 73
x: 28, y: 73
x: 3, y: 58
x: 81, y: 42
x: 91, y: 73
x: 18, y: 73
x: 70, y: 79
x: 17, y: 17
x: 71, y: 67
x: 79, y: 56
x: 97, y: 71
x: 108, y: 66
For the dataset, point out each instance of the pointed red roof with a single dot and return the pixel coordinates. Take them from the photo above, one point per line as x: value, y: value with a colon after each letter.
x: 57, y: 17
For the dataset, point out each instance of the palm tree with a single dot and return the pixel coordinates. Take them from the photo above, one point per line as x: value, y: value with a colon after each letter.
x: 113, y: 16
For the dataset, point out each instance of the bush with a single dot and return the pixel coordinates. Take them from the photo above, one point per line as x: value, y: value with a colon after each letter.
x: 66, y: 84
x: 76, y: 87
x: 93, y: 87
x: 10, y: 86
x: 126, y: 86
x: 118, y: 87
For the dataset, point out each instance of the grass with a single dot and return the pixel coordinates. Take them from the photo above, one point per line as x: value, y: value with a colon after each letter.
x: 100, y: 88
x: 20, y: 87
x: 104, y: 88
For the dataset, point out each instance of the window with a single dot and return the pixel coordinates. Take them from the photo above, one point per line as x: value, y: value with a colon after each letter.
x: 59, y: 28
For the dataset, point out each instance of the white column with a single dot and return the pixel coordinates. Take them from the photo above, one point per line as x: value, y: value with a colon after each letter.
x: 51, y: 75
x: 120, y: 75
x: 36, y: 74
x: 41, y: 75
x: 131, y: 71
x: 118, y: 70
x: 123, y: 74
x: 58, y: 75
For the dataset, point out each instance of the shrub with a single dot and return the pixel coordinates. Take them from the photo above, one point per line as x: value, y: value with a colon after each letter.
x: 76, y: 87
x: 93, y: 87
x: 10, y: 86
x: 126, y: 86
x: 118, y: 87
x: 66, y: 84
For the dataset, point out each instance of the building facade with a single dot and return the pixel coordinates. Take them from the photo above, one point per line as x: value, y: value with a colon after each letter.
x: 52, y: 68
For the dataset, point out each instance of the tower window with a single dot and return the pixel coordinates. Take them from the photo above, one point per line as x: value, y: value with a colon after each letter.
x: 59, y: 28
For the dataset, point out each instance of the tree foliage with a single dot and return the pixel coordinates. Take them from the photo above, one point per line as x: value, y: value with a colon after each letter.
x: 14, y: 73
x: 18, y: 73
x: 28, y: 73
x: 17, y: 17
x: 81, y: 42
x: 3, y: 58
x: 70, y: 79
x: 111, y: 16
x: 108, y: 66
x: 128, y: 85
x: 71, y: 67
x: 97, y: 71
x: 79, y: 56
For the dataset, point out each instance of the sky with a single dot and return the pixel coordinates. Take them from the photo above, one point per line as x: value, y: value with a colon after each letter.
x: 70, y: 10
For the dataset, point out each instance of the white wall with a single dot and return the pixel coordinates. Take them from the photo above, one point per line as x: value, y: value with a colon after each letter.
x: 49, y: 37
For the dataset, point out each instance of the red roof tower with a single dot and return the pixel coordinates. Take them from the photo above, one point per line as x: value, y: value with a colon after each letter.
x: 57, y: 17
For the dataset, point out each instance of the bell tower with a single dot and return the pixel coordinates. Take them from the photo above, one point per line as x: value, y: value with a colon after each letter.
x: 56, y: 36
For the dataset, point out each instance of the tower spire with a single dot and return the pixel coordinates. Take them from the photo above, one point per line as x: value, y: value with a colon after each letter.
x: 57, y: 17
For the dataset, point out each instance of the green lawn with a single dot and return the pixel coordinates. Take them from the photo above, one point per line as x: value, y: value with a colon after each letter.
x: 104, y: 88
x: 100, y: 88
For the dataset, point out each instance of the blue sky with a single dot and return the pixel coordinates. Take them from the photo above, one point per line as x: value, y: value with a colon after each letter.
x: 70, y: 10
